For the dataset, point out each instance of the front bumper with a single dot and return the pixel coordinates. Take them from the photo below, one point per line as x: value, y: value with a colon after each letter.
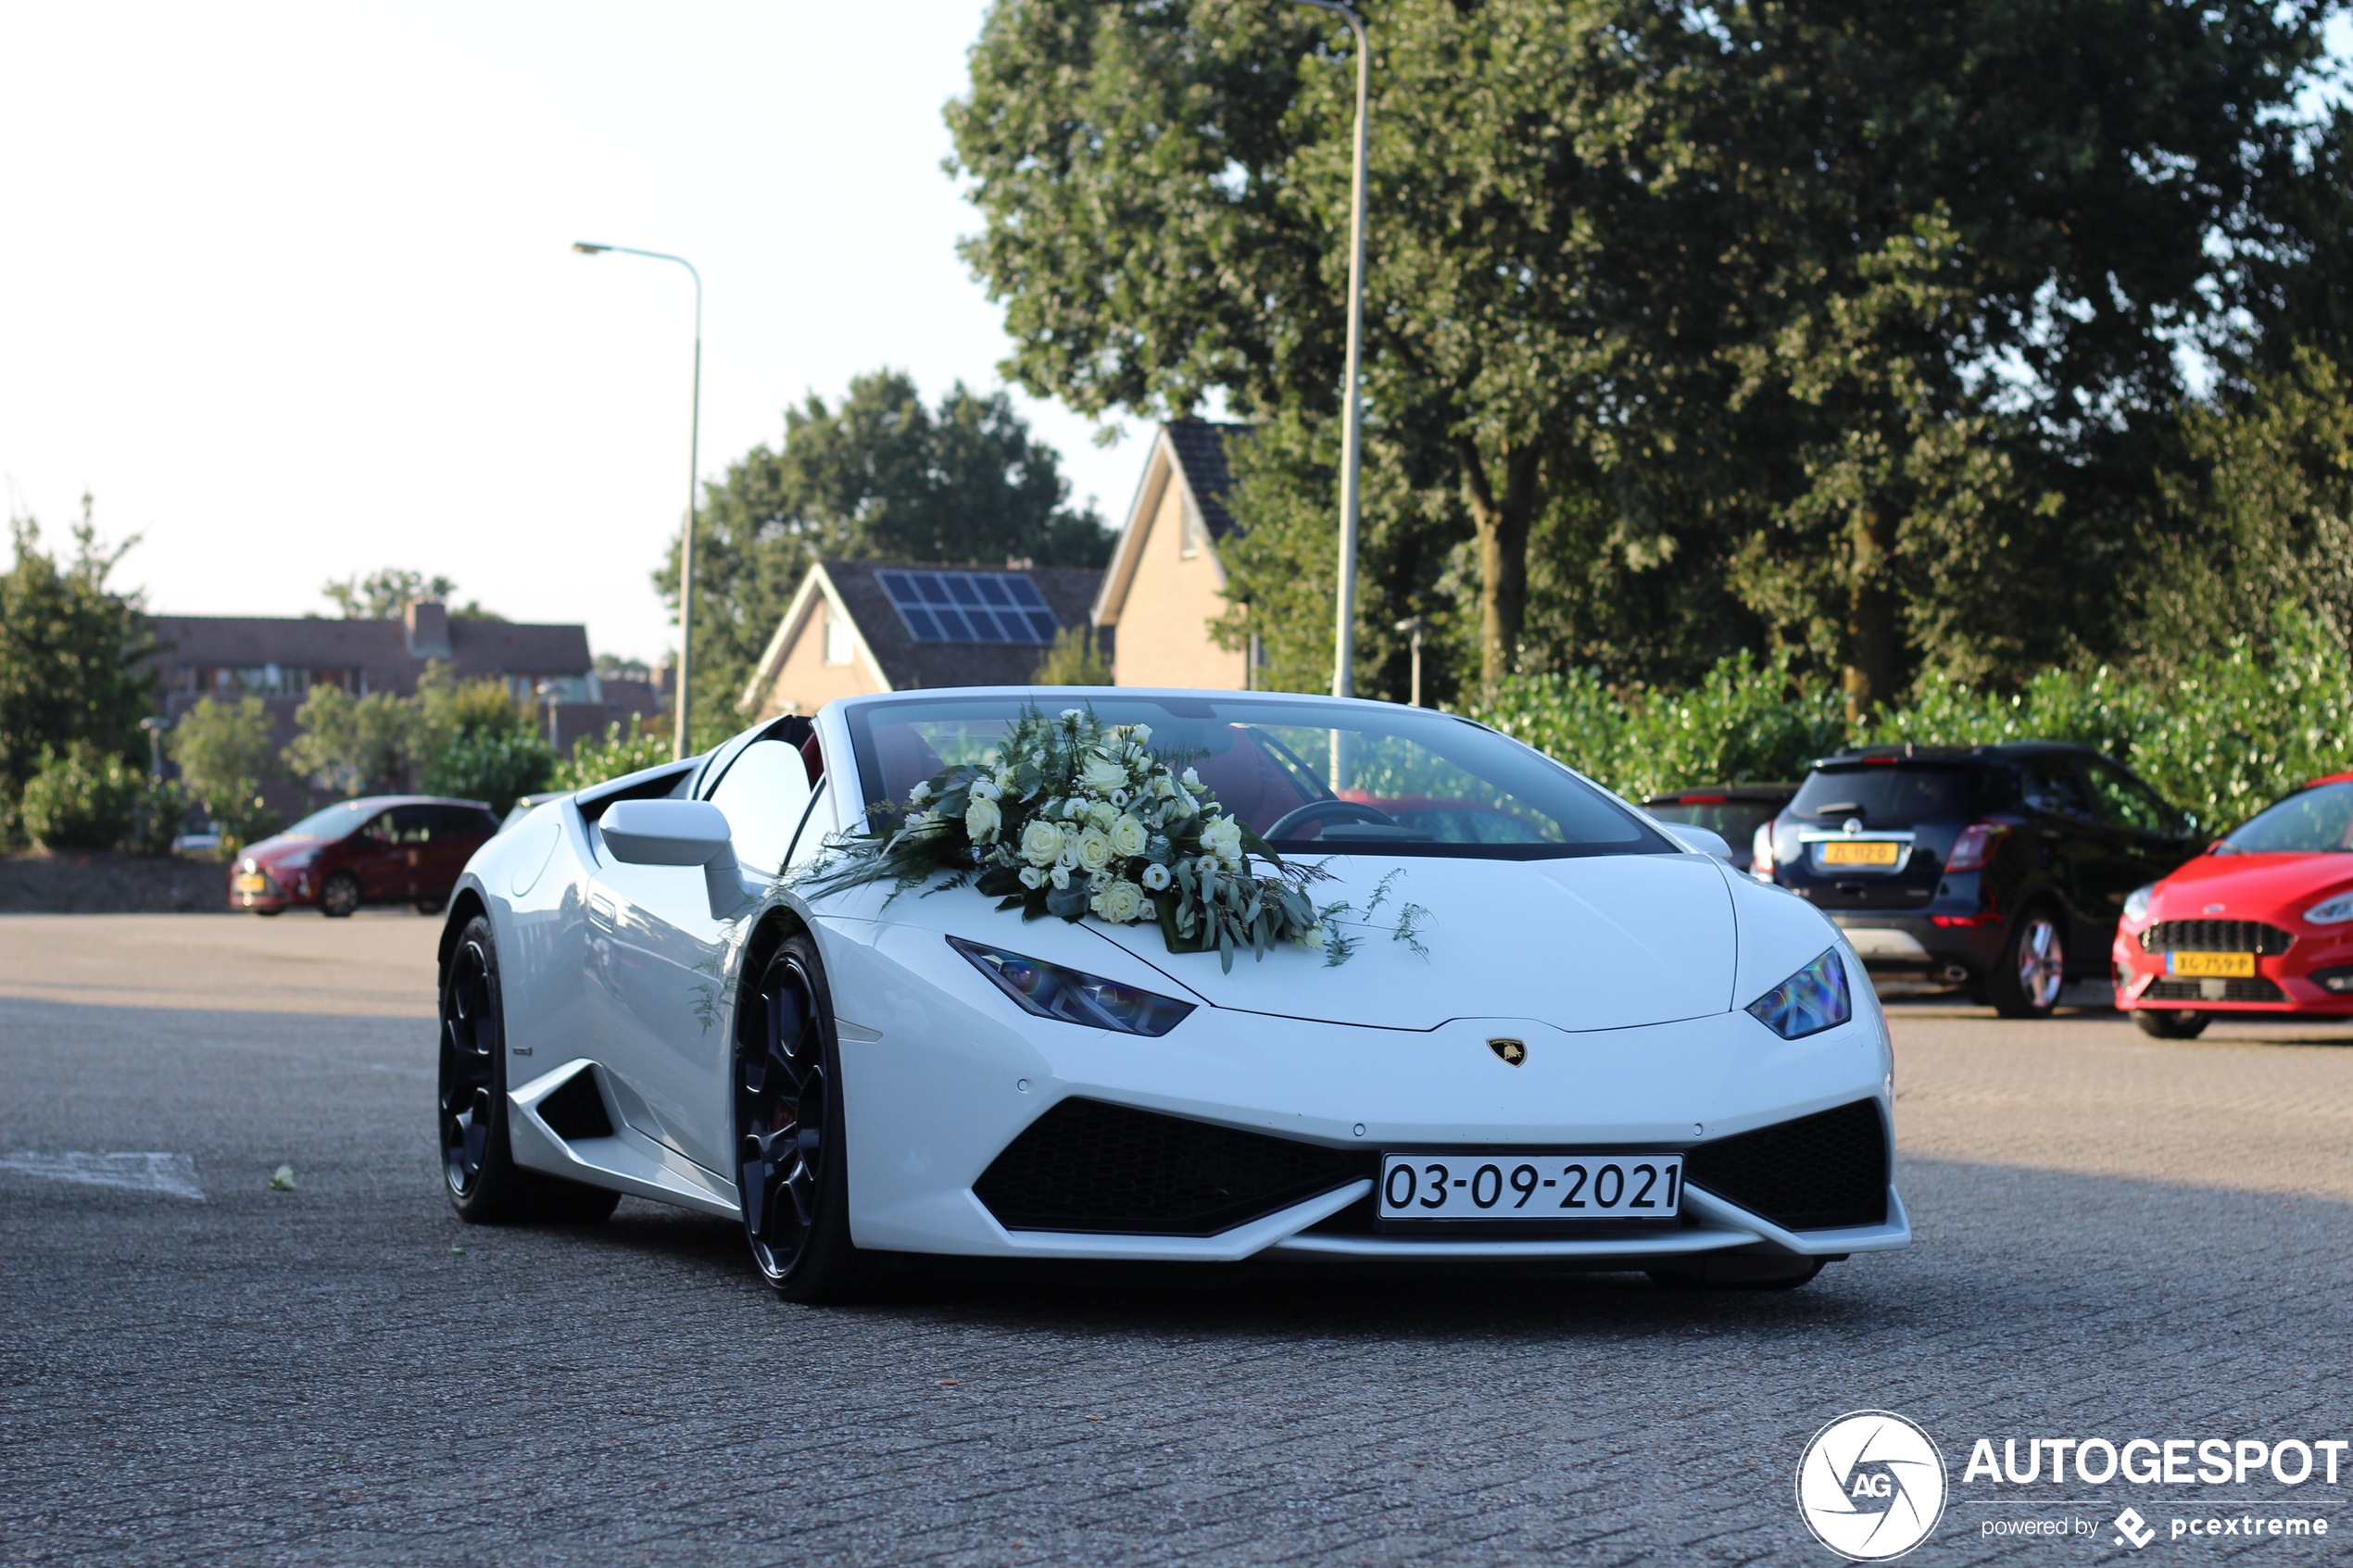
x: 266, y: 888
x: 948, y: 1074
x: 2282, y: 984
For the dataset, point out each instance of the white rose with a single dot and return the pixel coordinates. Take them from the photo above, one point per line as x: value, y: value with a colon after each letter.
x: 983, y: 790
x: 982, y: 820
x: 1192, y: 780
x: 1094, y: 849
x: 1156, y: 876
x: 1127, y: 837
x: 920, y: 794
x: 1223, y: 838
x: 1120, y: 903
x: 1100, y: 816
x: 1040, y: 842
x: 1103, y: 775
x: 1032, y: 877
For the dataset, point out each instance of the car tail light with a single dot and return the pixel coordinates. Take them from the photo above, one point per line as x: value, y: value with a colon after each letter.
x: 1760, y: 852
x: 1974, y: 847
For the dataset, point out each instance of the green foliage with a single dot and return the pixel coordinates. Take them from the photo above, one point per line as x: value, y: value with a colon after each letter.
x: 83, y: 798
x: 386, y: 593
x: 593, y: 762
x: 1748, y: 721
x: 451, y: 710
x: 225, y: 758
x: 877, y: 475
x: 73, y: 653
x: 491, y: 765
x: 1685, y: 320
x: 2224, y: 734
x: 1072, y: 661
x: 357, y: 745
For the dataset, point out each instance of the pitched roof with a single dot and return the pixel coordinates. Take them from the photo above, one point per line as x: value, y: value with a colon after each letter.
x: 1200, y: 445
x: 906, y: 662
x: 379, y: 648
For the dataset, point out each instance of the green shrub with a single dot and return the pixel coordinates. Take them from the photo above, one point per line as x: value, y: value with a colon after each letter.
x: 225, y: 757
x: 496, y: 766
x: 84, y: 800
x: 592, y: 762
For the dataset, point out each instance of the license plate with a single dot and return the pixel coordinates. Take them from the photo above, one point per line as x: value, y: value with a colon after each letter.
x: 2223, y: 966
x: 1531, y: 1186
x: 1880, y: 852
x: 251, y: 883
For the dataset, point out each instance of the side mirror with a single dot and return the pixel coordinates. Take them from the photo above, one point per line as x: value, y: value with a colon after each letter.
x: 1703, y: 841
x: 678, y: 833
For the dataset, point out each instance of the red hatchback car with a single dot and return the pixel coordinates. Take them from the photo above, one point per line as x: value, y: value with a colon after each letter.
x: 2262, y: 923
x: 382, y: 849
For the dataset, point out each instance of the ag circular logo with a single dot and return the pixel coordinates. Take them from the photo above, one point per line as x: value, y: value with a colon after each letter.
x: 1870, y: 1485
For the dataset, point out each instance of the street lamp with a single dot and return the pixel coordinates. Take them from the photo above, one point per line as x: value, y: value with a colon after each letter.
x: 694, y: 439
x: 1413, y: 626
x: 1352, y: 423
x: 154, y: 725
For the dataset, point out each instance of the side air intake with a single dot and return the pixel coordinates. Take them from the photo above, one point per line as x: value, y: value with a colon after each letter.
x: 1822, y: 1172
x: 576, y: 1111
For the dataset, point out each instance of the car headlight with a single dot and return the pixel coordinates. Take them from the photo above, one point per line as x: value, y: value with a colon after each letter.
x: 2333, y: 911
x: 1050, y: 991
x: 1813, y: 1000
x: 2136, y: 903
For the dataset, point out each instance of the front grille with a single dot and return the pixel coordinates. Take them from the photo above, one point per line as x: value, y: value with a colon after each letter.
x: 1818, y: 1172
x: 2216, y: 937
x: 2255, y: 990
x: 1088, y: 1166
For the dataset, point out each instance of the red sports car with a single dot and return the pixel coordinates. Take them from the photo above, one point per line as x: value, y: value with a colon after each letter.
x: 2262, y: 923
x: 381, y: 849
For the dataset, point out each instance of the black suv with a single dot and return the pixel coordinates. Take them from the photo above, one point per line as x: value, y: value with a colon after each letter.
x: 1997, y: 868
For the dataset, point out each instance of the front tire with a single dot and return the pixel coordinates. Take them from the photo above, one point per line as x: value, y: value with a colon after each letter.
x: 2032, y: 971
x: 339, y: 895
x: 791, y: 1152
x: 478, y: 1167
x: 2170, y: 1023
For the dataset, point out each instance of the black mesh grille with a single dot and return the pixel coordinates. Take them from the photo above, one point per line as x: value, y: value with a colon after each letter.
x: 2216, y: 937
x: 1817, y: 1172
x: 2255, y: 990
x: 1087, y: 1166
x: 576, y: 1111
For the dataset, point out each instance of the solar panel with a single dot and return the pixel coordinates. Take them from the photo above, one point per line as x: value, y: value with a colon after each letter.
x: 970, y: 607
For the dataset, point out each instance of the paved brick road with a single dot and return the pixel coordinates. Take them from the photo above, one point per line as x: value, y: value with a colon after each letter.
x: 2118, y: 1237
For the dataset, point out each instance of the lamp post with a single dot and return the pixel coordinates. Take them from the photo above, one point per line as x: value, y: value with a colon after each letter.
x: 694, y: 441
x: 1352, y: 421
x: 1413, y: 626
x: 154, y: 725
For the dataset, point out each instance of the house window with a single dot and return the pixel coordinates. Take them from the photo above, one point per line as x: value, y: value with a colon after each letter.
x: 230, y: 682
x: 837, y: 638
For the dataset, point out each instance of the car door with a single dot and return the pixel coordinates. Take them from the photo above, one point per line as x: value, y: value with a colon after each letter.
x: 660, y: 1002
x: 458, y: 832
x: 379, y: 859
x: 2069, y: 850
x: 2140, y: 835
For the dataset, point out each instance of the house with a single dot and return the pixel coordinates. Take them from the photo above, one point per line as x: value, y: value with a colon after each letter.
x: 1165, y: 584
x: 283, y: 659
x: 860, y: 626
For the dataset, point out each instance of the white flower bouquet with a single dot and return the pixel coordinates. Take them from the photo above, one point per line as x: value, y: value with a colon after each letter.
x: 1073, y: 817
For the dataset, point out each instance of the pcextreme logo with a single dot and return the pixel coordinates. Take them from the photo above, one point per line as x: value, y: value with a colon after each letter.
x: 1870, y: 1485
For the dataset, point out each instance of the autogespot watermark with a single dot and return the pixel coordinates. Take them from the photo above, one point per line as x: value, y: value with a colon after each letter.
x: 1872, y: 1485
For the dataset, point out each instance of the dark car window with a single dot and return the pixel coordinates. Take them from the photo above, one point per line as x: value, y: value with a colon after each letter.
x: 2308, y: 822
x: 1734, y: 820
x: 336, y: 822
x: 1886, y: 796
x: 466, y: 822
x: 414, y: 824
x: 2124, y: 799
x: 2051, y: 785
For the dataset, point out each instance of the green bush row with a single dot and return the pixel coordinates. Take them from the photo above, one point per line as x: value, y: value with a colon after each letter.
x: 88, y: 799
x: 2228, y: 734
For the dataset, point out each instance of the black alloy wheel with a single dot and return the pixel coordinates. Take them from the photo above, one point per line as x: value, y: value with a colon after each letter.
x: 2031, y: 973
x: 790, y: 1159
x: 339, y: 894
x: 484, y: 1183
x: 2170, y: 1023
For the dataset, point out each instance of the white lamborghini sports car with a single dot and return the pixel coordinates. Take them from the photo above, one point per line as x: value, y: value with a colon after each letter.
x: 1563, y: 1035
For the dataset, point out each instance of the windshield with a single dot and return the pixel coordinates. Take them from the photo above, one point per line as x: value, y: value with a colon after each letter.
x: 336, y: 822
x: 2311, y: 820
x: 1884, y: 796
x: 1308, y: 775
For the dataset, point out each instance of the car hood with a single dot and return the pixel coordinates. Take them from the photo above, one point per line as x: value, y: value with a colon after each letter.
x: 2250, y: 886
x: 1604, y: 942
x: 271, y: 850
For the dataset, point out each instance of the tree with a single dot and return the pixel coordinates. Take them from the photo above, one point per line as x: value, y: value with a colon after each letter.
x: 225, y: 757
x: 74, y: 654
x: 386, y: 593
x: 1074, y: 660
x: 1859, y: 315
x: 349, y: 745
x: 876, y: 476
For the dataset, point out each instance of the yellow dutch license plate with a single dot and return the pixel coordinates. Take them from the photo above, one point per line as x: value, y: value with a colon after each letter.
x: 2217, y: 966
x: 1867, y: 853
x: 250, y: 883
